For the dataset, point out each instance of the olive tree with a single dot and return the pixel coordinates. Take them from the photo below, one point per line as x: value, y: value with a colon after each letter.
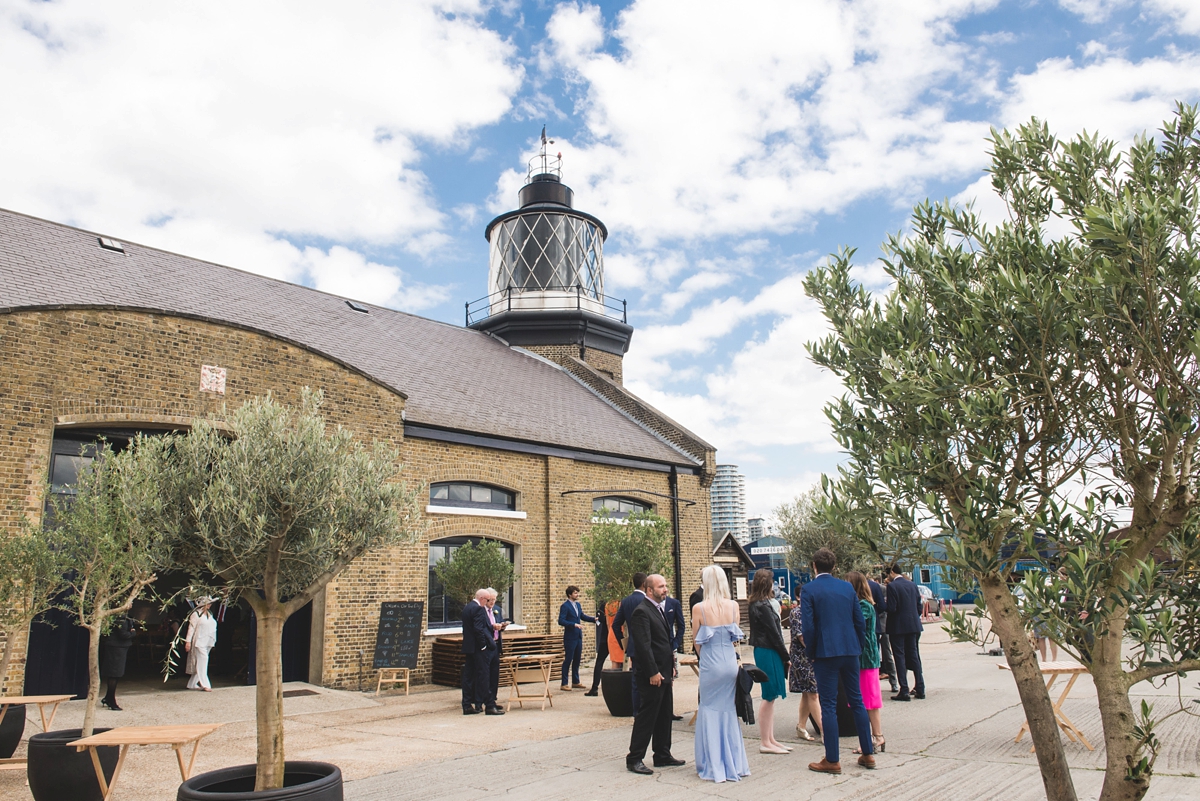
x: 1014, y: 394
x: 108, y: 554
x: 31, y: 576
x: 619, y: 547
x: 472, y: 567
x: 269, y: 507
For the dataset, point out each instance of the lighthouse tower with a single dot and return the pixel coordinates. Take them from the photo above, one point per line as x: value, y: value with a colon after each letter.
x: 546, y: 276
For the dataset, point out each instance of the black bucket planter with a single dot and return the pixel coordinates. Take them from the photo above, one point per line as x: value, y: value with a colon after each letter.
x: 57, y: 772
x: 617, y: 687
x: 11, y: 729
x: 302, y: 781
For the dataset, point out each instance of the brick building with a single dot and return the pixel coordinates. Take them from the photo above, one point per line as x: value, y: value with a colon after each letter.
x: 517, y: 426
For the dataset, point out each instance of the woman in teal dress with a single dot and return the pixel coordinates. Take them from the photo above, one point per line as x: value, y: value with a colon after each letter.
x: 770, y: 655
x: 720, y: 750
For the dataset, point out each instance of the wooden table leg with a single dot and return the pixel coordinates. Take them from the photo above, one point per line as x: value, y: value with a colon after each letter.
x: 46, y: 724
x: 1064, y: 722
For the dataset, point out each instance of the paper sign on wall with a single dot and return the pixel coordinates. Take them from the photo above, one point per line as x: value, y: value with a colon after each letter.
x: 212, y: 379
x: 740, y: 584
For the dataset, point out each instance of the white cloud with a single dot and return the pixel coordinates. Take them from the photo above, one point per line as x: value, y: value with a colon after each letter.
x: 721, y: 122
x: 218, y: 129
x: 344, y: 272
x: 1094, y: 11
x: 1184, y: 13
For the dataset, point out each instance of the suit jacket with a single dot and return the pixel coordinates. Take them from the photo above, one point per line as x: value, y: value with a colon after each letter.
x: 477, y: 631
x: 903, y: 607
x: 675, y: 623
x: 498, y: 615
x: 695, y: 598
x: 879, y: 599
x: 651, y: 639
x: 570, y: 615
x: 623, y: 616
x: 831, y: 618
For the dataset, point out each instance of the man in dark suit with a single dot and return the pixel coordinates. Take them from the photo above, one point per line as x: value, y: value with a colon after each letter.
x: 693, y: 599
x: 478, y: 646
x: 571, y: 617
x: 834, y: 635
x: 904, y: 630
x: 674, y: 611
x: 886, y: 666
x: 651, y: 637
x: 621, y: 620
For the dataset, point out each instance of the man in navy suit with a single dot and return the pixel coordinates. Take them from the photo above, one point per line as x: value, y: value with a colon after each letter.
x: 904, y: 630
x: 622, y: 618
x: 674, y: 611
x: 570, y: 616
x: 886, y: 665
x: 834, y: 636
x: 478, y: 648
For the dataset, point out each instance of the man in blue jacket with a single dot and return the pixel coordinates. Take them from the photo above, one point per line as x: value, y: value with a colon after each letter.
x: 620, y: 620
x: 904, y: 630
x: 570, y: 615
x: 834, y: 635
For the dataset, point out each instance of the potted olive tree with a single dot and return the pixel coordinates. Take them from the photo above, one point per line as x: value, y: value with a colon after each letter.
x: 617, y: 548
x: 474, y: 566
x: 30, y: 578
x: 109, y: 558
x: 269, y: 507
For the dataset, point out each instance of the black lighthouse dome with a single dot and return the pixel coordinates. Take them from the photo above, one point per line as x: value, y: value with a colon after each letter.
x: 546, y: 270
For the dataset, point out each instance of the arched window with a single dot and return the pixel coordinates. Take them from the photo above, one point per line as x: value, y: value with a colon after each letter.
x: 468, y: 495
x: 445, y: 612
x: 618, y: 508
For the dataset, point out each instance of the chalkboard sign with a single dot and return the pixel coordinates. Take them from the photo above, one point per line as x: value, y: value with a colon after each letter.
x: 399, y: 635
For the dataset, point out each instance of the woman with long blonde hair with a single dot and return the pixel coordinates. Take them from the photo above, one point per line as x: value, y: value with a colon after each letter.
x: 720, y: 751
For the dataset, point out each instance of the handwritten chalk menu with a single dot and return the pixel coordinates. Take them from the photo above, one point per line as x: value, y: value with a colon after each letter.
x: 399, y: 634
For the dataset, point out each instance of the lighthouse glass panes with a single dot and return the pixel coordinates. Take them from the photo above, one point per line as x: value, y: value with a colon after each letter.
x: 547, y: 251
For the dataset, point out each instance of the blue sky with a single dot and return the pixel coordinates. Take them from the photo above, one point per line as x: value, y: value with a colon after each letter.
x: 360, y: 147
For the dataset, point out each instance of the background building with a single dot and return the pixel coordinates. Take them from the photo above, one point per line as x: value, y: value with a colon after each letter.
x: 757, y: 528
x: 728, y: 495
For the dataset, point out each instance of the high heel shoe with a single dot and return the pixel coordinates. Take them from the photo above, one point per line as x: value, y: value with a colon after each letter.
x: 803, y: 734
x: 879, y: 742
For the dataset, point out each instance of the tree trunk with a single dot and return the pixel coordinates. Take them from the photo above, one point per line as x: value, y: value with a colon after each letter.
x: 268, y: 698
x: 1122, y: 747
x: 89, y: 715
x: 1039, y: 712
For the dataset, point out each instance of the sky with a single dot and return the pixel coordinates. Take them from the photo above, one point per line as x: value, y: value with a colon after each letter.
x: 361, y: 147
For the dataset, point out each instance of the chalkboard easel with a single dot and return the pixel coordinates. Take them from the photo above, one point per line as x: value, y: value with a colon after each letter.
x: 398, y: 641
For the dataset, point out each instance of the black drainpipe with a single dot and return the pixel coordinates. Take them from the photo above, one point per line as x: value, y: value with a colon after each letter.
x: 674, y: 479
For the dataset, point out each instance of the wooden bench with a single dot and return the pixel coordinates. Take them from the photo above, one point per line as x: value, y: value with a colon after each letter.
x: 448, y: 657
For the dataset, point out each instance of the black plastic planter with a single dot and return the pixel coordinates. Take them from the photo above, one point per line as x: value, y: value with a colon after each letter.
x: 617, y: 687
x: 302, y: 781
x: 57, y: 772
x: 11, y: 729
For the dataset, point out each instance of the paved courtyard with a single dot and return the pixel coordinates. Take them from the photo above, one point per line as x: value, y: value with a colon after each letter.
x: 957, y: 744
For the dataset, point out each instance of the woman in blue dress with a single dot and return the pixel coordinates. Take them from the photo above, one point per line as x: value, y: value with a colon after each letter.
x: 720, y: 751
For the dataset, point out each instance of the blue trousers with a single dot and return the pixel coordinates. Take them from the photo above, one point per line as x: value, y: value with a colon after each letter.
x: 574, y: 653
x: 828, y: 671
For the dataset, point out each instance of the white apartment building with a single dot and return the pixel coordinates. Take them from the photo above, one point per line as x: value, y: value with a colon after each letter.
x: 728, y: 495
x: 757, y: 528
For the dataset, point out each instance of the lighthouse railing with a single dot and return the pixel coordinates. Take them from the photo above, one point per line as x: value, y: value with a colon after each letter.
x: 566, y: 298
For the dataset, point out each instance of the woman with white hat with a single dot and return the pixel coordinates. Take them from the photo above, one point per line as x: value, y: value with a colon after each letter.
x: 201, y: 637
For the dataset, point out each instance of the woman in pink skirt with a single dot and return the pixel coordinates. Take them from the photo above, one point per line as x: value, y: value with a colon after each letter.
x: 868, y: 661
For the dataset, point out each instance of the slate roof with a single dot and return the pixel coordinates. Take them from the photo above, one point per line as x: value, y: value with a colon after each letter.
x: 454, y: 378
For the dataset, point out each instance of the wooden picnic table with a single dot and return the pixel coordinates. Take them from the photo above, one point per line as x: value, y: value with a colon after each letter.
x: 528, y: 669
x: 1054, y: 670
x: 175, y: 736
x: 42, y: 701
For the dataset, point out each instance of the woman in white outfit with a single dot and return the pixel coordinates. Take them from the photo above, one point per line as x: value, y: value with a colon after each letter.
x: 201, y: 637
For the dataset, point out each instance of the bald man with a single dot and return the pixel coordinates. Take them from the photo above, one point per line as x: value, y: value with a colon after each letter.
x: 650, y: 635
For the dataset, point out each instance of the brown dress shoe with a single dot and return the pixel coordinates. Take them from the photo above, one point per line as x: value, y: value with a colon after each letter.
x: 825, y: 766
x: 867, y: 761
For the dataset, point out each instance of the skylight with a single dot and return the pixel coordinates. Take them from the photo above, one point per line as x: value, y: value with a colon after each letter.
x: 358, y: 307
x: 111, y: 244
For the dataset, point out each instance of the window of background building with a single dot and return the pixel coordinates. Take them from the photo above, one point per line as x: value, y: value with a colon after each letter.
x: 443, y: 611
x: 925, y: 578
x: 472, y: 496
x: 619, y: 508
